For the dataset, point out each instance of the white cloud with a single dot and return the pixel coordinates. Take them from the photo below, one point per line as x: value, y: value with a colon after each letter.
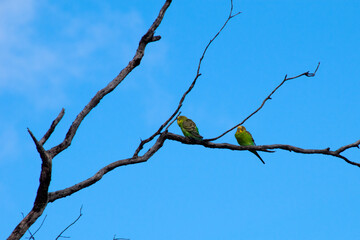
x: 38, y: 63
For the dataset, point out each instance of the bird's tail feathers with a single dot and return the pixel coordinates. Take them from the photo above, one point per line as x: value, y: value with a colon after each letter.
x: 255, y: 152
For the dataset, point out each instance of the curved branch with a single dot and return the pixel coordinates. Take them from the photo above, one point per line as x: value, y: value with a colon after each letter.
x: 198, y: 74
x: 308, y: 74
x: 95, y: 178
x: 147, y: 38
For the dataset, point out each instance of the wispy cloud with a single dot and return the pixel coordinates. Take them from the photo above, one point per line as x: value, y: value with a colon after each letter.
x: 38, y: 62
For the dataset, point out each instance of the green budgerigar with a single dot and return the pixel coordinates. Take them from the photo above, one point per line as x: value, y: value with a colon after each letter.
x: 189, y: 128
x: 244, y: 138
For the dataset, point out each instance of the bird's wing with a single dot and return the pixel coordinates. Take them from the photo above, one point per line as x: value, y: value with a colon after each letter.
x: 190, y: 126
x: 252, y: 139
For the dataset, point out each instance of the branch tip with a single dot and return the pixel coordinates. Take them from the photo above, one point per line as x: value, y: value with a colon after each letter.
x: 155, y: 38
x: 317, y: 67
x: 52, y: 127
x: 33, y: 137
x: 234, y: 15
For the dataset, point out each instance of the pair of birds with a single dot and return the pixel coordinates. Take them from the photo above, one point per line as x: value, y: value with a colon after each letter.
x: 190, y: 130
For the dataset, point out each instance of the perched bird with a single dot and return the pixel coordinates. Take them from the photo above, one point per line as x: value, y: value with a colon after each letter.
x: 189, y: 128
x: 244, y: 138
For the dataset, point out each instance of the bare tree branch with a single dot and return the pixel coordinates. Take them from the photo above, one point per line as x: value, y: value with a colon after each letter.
x: 355, y: 144
x: 47, y: 156
x: 308, y: 74
x: 31, y: 235
x: 52, y: 127
x: 41, y: 198
x: 135, y: 159
x: 265, y: 148
x: 95, y: 178
x: 40, y: 225
x: 167, y: 135
x: 147, y: 38
x: 198, y: 74
x: 77, y: 219
x: 166, y: 129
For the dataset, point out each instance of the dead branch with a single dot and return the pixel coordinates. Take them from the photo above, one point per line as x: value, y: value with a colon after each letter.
x: 77, y: 219
x: 265, y: 148
x: 31, y: 235
x: 308, y: 74
x: 41, y: 198
x: 355, y: 144
x: 198, y: 74
x: 95, y: 178
x: 52, y: 127
x: 167, y: 135
x: 147, y: 38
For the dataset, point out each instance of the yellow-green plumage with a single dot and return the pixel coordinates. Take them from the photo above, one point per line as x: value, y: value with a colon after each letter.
x: 244, y: 138
x: 189, y: 128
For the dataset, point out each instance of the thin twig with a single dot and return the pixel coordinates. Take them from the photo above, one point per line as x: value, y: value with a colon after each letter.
x: 166, y: 129
x: 40, y: 225
x: 341, y: 149
x: 33, y: 234
x: 347, y: 160
x: 198, y: 74
x: 52, y: 127
x: 70, y: 225
x: 308, y: 74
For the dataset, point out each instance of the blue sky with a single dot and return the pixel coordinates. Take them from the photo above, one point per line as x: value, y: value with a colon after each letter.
x: 56, y: 55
